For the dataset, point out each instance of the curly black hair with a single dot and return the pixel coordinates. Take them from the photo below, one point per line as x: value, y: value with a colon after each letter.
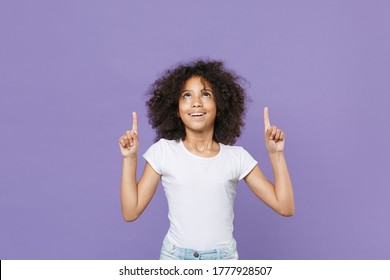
x: 230, y: 98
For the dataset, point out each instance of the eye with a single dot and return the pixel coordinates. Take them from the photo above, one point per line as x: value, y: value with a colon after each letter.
x: 206, y: 94
x: 186, y: 95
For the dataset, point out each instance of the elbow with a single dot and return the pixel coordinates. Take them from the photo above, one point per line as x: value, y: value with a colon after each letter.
x: 127, y: 220
x: 287, y: 212
x: 129, y: 217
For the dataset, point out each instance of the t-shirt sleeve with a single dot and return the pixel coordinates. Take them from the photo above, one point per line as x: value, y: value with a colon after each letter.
x: 247, y: 163
x: 154, y: 156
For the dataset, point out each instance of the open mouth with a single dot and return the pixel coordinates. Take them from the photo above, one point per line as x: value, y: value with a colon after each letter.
x: 197, y: 114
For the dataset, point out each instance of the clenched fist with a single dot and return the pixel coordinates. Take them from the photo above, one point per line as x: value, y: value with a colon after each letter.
x: 128, y: 142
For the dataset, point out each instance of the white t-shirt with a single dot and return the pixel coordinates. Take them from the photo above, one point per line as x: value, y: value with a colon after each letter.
x: 200, y: 191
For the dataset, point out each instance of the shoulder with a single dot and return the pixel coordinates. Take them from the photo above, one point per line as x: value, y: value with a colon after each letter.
x: 237, y: 150
x: 164, y: 144
x: 238, y: 160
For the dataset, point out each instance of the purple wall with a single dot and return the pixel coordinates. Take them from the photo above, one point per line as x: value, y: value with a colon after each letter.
x: 72, y: 72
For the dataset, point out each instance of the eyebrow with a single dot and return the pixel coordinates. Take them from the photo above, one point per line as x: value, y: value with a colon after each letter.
x: 205, y: 89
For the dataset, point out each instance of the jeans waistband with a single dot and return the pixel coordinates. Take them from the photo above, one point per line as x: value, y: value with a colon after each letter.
x: 227, y: 252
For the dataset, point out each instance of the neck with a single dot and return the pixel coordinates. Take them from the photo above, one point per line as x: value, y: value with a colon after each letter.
x: 199, y: 142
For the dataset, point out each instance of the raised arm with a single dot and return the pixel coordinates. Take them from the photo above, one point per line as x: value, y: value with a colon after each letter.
x: 279, y: 197
x: 135, y: 197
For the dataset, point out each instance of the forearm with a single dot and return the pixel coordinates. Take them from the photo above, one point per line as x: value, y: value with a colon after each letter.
x: 283, y: 186
x: 129, y: 192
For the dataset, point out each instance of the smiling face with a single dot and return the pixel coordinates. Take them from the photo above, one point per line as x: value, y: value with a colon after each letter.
x: 197, y: 107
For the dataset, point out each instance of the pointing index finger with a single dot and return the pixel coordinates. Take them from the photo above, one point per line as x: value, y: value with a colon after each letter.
x: 135, y: 122
x: 266, y: 118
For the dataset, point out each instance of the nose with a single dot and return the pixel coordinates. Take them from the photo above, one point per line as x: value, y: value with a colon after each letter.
x: 197, y: 102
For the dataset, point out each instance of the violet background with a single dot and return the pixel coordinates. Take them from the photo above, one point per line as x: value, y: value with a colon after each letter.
x: 72, y: 72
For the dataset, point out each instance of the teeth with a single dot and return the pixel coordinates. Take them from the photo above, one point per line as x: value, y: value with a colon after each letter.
x: 197, y: 114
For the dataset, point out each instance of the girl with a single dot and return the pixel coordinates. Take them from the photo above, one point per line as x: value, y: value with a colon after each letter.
x: 197, y: 110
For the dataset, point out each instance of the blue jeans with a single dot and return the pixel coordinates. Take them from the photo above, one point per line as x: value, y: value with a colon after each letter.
x: 171, y: 252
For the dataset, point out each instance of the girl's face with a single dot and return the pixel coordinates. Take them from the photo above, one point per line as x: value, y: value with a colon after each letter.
x: 197, y: 107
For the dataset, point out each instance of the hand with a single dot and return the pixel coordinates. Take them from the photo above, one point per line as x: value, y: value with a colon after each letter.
x: 274, y: 137
x: 128, y: 142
